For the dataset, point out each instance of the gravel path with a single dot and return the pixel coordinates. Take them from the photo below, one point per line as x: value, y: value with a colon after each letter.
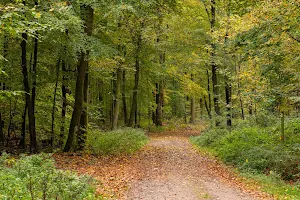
x: 169, y: 167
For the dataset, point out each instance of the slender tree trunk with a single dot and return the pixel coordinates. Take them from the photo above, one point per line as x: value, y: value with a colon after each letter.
x: 2, y: 85
x: 124, y: 97
x: 117, y: 98
x: 54, y: 105
x: 136, y: 80
x: 282, y: 137
x: 82, y: 133
x: 1, y: 132
x: 64, y: 103
x: 23, y: 136
x: 228, y: 102
x: 34, y: 67
x: 193, y: 106
x: 209, y: 95
x: 159, y: 102
x: 214, y: 67
x: 33, y: 142
x: 88, y: 17
x: 239, y: 95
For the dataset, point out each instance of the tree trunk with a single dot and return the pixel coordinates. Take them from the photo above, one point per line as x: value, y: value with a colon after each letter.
x: 228, y: 102
x: 2, y: 85
x: 1, y: 132
x: 136, y: 79
x: 214, y: 67
x: 64, y: 103
x: 54, y: 105
x: 282, y: 138
x: 88, y: 17
x: 124, y: 98
x: 23, y: 136
x: 193, y: 109
x: 31, y: 119
x: 159, y: 102
x: 117, y: 98
x: 208, y: 107
x: 82, y: 133
x: 239, y: 95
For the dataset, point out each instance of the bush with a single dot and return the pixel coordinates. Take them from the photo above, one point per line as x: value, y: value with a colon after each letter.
x: 120, y: 141
x: 35, y: 177
x: 257, y: 148
x: 209, y: 137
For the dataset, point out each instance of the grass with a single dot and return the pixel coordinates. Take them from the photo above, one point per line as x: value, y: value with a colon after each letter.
x: 122, y: 141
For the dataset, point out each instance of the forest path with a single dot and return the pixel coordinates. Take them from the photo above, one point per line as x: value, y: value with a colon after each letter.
x: 168, y: 167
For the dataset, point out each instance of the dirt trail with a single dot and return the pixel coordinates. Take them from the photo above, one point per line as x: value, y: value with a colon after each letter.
x: 169, y: 167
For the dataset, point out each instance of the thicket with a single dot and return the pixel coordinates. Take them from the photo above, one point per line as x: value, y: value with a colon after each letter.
x: 121, y: 141
x: 256, y: 146
x: 35, y: 177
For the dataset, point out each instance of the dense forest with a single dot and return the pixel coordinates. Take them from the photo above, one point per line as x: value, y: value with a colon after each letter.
x: 72, y: 69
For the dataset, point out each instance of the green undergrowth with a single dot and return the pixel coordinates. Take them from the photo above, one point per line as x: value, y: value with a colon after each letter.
x: 121, y: 141
x: 256, y: 149
x: 35, y: 177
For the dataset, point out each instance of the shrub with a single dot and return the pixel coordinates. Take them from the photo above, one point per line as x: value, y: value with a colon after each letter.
x: 120, y: 141
x: 257, y: 148
x: 209, y: 137
x: 35, y: 177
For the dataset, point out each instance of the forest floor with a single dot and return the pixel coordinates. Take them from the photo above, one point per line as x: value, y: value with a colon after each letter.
x: 168, y: 167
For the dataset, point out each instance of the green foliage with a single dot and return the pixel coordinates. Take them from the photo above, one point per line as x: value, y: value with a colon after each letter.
x: 122, y: 141
x: 35, y: 177
x: 257, y: 148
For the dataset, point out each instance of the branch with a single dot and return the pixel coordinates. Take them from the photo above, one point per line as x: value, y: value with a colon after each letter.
x: 207, y: 12
x: 291, y: 36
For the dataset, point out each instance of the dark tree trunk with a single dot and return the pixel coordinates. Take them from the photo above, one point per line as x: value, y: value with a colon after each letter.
x: 64, y: 103
x: 134, y: 105
x: 193, y: 109
x: 2, y: 87
x: 54, y: 105
x: 31, y: 119
x: 23, y: 136
x: 159, y: 103
x: 214, y: 67
x: 1, y: 132
x: 34, y: 66
x: 82, y: 133
x: 117, y: 97
x: 208, y: 107
x: 124, y: 98
x: 88, y: 17
x: 228, y: 102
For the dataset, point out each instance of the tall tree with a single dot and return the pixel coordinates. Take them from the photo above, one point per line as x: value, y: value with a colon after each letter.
x: 88, y: 18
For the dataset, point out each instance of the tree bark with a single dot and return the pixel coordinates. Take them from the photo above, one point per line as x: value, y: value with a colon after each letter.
x: 31, y: 119
x: 214, y: 67
x: 228, y: 102
x: 2, y: 85
x: 54, y: 105
x: 159, y: 102
x: 88, y: 17
x: 124, y: 98
x: 23, y: 136
x: 117, y: 98
x: 136, y: 79
x: 82, y: 133
x: 193, y: 109
x: 208, y: 107
x: 1, y: 132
